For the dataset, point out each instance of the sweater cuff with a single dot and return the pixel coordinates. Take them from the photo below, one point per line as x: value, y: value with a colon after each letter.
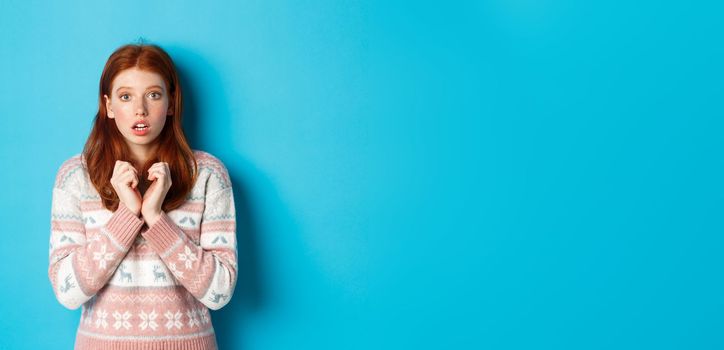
x: 162, y: 234
x: 124, y: 225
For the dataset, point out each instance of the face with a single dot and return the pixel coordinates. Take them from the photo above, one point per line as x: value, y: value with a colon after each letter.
x: 139, y: 104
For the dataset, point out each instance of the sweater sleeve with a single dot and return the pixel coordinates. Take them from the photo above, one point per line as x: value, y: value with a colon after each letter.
x: 207, y: 270
x: 80, y: 265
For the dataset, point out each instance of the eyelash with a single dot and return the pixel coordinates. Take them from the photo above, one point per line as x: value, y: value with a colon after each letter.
x: 153, y: 92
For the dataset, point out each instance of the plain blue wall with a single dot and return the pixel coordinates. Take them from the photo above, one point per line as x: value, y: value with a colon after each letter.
x: 415, y: 175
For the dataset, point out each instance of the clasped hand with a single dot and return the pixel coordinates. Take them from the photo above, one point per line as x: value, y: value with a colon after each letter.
x: 125, y: 181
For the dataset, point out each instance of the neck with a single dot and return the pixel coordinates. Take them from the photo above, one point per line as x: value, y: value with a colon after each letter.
x: 140, y: 154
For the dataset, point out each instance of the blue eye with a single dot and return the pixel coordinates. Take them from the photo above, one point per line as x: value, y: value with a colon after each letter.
x: 156, y: 94
x: 121, y: 97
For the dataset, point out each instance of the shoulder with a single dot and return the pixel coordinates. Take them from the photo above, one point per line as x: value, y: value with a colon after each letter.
x: 69, y: 172
x: 217, y: 175
x: 206, y: 158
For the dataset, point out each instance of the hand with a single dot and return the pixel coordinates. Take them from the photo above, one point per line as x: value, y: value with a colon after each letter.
x: 125, y: 182
x: 160, y: 174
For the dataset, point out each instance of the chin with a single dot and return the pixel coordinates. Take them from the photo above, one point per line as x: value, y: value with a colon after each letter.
x: 143, y: 141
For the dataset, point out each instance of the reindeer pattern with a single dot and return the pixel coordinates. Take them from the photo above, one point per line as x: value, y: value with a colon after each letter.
x: 68, y: 285
x: 157, y: 274
x: 216, y: 298
x: 139, y: 268
x: 125, y: 275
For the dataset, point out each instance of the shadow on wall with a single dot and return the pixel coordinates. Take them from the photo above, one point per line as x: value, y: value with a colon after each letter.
x: 248, y: 295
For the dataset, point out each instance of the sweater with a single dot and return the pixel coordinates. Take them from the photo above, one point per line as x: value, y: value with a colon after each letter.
x: 143, y: 287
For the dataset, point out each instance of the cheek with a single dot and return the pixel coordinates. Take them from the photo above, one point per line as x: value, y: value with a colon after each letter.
x: 161, y: 120
x: 122, y: 111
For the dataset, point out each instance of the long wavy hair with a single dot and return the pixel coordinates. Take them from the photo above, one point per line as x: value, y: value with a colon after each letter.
x: 106, y: 144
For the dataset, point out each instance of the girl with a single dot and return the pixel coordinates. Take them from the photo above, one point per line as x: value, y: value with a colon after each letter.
x: 142, y: 228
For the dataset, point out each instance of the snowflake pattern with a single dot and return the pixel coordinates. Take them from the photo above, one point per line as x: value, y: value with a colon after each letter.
x: 101, y: 318
x: 122, y: 320
x: 175, y: 271
x: 174, y: 320
x: 102, y: 256
x: 148, y: 320
x: 196, y: 318
x: 187, y: 257
x: 193, y: 319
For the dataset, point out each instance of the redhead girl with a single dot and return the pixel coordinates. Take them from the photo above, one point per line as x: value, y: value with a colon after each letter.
x: 143, y: 228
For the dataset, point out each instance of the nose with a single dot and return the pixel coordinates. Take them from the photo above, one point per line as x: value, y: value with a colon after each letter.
x: 141, y: 109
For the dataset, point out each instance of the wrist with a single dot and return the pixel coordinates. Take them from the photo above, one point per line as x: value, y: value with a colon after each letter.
x: 135, y: 211
x: 151, y: 218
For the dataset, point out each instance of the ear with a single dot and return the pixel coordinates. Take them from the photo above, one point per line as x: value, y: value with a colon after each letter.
x: 170, y: 109
x: 108, y: 107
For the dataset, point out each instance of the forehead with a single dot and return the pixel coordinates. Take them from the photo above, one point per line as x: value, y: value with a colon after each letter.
x: 137, y: 79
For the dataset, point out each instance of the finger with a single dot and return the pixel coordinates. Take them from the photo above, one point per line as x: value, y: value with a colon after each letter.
x: 156, y: 166
x: 121, y: 169
x: 153, y: 174
x: 132, y: 172
x: 161, y: 172
x: 162, y: 168
x: 152, y: 168
x: 128, y: 166
x: 128, y: 178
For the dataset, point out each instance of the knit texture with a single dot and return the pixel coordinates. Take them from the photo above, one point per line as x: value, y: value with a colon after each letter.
x: 143, y: 287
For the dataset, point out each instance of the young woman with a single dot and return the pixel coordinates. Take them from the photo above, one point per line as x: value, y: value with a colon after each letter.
x: 143, y: 228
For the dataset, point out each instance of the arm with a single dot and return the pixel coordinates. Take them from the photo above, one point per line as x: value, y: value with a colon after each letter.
x: 80, y: 266
x: 208, y: 270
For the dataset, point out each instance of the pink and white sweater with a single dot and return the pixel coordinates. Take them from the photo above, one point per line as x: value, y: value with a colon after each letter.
x: 143, y: 287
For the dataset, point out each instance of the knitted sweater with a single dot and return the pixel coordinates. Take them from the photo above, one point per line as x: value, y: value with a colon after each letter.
x: 143, y: 287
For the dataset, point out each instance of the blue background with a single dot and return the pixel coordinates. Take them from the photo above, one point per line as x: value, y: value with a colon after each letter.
x: 511, y: 174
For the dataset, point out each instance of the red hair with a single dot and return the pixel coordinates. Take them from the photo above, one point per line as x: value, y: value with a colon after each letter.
x: 106, y: 144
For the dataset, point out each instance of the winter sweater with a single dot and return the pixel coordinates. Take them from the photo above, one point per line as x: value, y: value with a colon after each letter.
x: 143, y: 287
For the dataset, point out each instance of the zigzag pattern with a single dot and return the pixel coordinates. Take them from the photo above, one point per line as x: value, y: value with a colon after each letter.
x: 141, y: 298
x: 229, y: 226
x: 192, y: 207
x: 88, y: 273
x: 85, y: 196
x: 79, y: 209
x: 86, y: 205
x: 223, y: 179
x: 195, y: 285
x: 68, y: 168
x: 217, y: 168
x: 86, y: 279
x: 66, y: 217
x: 67, y: 226
x: 219, y: 217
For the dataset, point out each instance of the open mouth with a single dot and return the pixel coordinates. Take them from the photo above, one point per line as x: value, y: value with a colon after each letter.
x: 140, y: 126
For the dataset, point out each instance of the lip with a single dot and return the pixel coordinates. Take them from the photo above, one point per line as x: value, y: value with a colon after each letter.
x: 140, y: 121
x: 141, y: 132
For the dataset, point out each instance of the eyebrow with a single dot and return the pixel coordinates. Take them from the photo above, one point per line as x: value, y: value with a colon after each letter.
x: 130, y: 88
